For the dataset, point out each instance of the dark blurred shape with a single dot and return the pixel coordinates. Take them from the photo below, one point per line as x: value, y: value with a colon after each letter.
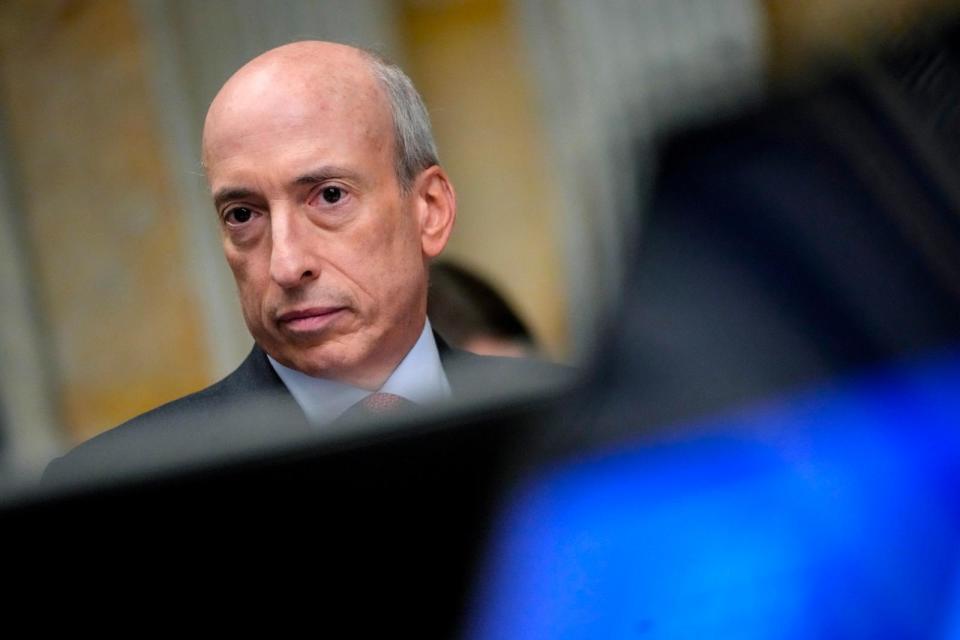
x: 385, y: 512
x: 466, y: 310
x: 927, y: 82
x: 381, y: 522
x: 817, y: 235
x: 768, y: 447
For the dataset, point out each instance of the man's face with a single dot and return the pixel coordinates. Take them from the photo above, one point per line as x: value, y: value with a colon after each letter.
x: 324, y: 245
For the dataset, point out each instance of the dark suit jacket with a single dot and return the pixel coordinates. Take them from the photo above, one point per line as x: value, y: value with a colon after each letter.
x: 251, y: 408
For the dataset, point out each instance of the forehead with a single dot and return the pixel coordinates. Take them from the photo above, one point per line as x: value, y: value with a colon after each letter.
x: 269, y: 113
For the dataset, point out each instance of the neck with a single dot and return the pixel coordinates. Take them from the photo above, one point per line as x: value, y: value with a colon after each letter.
x: 373, y: 377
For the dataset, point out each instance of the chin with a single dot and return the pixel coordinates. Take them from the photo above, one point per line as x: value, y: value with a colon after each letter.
x: 324, y: 361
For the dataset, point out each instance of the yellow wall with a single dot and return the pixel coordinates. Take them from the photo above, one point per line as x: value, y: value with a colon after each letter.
x: 466, y: 57
x: 104, y: 238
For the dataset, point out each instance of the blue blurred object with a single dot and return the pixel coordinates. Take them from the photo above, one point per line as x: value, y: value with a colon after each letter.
x: 830, y: 513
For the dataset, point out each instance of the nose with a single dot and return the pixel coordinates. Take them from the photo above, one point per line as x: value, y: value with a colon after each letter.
x: 292, y: 257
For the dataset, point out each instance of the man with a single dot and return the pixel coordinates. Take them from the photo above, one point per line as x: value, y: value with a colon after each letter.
x: 331, y: 203
x: 325, y: 180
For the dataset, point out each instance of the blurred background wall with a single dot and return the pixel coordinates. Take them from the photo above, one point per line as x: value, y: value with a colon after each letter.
x: 115, y: 295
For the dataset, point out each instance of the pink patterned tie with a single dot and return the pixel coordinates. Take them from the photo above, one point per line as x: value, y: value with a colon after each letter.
x: 377, y: 404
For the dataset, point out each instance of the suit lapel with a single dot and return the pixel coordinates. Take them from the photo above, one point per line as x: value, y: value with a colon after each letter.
x: 455, y: 362
x: 256, y: 375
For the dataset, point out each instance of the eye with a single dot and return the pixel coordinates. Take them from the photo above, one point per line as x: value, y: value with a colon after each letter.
x: 331, y: 195
x: 238, y: 215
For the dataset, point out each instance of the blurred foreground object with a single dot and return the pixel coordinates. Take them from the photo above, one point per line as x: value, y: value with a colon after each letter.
x: 832, y: 513
x: 769, y: 445
x: 811, y: 237
x: 806, y: 36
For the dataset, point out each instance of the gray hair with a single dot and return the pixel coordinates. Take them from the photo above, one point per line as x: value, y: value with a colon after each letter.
x: 414, y: 147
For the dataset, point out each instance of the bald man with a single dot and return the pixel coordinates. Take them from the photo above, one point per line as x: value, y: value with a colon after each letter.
x: 331, y: 203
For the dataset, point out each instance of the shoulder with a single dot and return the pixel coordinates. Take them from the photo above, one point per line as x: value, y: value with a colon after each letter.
x: 253, y: 378
x: 198, y: 415
x: 472, y: 375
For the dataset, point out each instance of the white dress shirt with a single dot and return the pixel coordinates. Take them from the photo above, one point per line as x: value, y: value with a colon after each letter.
x: 419, y: 378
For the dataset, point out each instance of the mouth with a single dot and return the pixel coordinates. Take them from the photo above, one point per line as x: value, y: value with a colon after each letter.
x: 309, y: 320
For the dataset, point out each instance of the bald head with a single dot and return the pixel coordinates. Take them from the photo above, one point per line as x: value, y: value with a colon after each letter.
x: 292, y: 86
x: 304, y: 79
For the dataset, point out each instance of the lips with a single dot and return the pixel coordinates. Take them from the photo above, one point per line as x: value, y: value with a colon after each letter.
x: 308, y: 320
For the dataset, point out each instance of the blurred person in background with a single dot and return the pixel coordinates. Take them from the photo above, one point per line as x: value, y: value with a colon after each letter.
x: 473, y: 315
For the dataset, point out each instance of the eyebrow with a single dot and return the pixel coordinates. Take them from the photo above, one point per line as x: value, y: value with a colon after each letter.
x: 230, y: 193
x: 316, y: 176
x: 328, y: 172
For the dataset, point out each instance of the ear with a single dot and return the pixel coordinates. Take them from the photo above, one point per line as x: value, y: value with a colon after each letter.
x: 436, y: 209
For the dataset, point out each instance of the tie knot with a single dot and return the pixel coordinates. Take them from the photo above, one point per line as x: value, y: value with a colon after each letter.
x: 380, y: 403
x: 377, y: 404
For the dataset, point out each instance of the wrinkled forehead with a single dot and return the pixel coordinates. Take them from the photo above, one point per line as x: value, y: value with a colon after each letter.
x: 262, y: 105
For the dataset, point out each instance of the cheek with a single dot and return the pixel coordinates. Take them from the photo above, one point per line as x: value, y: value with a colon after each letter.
x: 398, y: 257
x: 383, y: 252
x: 239, y: 266
x: 245, y: 271
x: 399, y: 271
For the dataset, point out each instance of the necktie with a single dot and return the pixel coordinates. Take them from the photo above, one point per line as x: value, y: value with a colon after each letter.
x: 377, y: 404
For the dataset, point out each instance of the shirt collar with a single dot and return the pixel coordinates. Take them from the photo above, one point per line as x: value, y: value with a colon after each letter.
x: 419, y: 378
